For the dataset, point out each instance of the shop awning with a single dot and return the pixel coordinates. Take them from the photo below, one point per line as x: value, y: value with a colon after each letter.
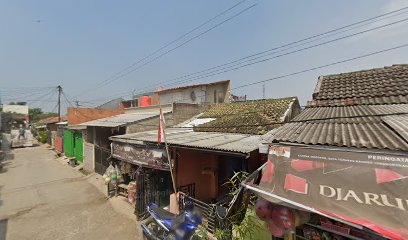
x: 155, y: 158
x: 366, y: 188
x: 75, y: 127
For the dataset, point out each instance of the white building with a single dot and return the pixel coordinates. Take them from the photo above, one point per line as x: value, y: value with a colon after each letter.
x: 216, y: 92
x: 20, y: 109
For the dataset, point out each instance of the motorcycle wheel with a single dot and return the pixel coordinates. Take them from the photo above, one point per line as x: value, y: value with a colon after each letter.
x: 152, y: 225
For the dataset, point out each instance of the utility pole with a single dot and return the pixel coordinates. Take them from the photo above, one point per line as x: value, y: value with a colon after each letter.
x: 133, y: 98
x: 263, y: 91
x: 59, y: 88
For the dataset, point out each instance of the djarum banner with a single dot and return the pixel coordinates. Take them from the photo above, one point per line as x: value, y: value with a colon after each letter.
x: 365, y: 188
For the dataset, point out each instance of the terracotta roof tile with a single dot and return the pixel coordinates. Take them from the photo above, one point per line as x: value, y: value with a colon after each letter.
x: 385, y: 85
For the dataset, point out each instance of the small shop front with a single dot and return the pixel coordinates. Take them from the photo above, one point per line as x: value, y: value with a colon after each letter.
x: 144, y: 175
x: 333, y: 193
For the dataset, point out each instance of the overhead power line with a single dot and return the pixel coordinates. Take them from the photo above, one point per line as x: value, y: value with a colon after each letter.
x: 46, y: 98
x: 179, y: 38
x: 172, y: 49
x: 131, y: 68
x: 285, y: 76
x: 250, y: 60
x: 297, y: 42
x: 323, y: 66
x: 312, y: 69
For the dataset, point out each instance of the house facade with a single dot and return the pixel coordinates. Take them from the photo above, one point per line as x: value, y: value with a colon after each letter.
x: 97, y: 145
x: 348, y: 147
x: 205, y: 152
x: 210, y: 93
x: 73, y: 134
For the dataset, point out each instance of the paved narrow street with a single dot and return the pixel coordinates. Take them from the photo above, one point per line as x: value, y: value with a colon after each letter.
x: 42, y: 199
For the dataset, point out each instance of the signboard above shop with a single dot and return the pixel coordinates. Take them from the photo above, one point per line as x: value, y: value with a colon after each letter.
x: 149, y: 157
x: 367, y: 188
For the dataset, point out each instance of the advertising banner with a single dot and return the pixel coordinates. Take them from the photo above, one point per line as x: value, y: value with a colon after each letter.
x: 144, y: 156
x: 362, y: 187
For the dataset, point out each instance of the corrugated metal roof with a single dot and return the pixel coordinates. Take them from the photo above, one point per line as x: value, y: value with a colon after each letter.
x: 76, y: 127
x: 122, y: 119
x: 241, y: 143
x: 359, y: 100
x: 350, y: 114
x: 399, y: 124
x: 349, y: 126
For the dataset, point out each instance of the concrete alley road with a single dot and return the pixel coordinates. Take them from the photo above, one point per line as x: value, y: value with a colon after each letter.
x: 42, y: 199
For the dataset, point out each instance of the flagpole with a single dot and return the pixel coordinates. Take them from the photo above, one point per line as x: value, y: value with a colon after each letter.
x: 167, y: 148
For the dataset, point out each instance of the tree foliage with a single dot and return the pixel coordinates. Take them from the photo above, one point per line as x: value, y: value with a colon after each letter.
x: 242, y: 225
x: 37, y: 114
x: 18, y: 103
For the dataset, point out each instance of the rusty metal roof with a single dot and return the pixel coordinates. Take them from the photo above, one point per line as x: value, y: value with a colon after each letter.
x: 387, y: 85
x: 361, y: 126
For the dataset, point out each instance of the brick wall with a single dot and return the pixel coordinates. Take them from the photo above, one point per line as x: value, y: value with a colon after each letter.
x: 81, y: 115
x: 181, y: 113
x: 184, y: 111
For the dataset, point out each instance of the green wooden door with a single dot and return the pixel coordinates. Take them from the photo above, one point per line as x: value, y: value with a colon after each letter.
x: 78, y: 147
x: 68, y: 143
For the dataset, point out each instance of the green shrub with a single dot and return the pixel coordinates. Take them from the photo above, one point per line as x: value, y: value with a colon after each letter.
x: 43, y: 136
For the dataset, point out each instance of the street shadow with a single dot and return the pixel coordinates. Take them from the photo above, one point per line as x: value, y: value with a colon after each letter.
x: 3, y: 229
x: 1, y: 201
x: 6, y: 160
x: 9, y: 156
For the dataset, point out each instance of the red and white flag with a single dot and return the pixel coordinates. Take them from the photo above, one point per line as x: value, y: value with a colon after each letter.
x: 160, y: 134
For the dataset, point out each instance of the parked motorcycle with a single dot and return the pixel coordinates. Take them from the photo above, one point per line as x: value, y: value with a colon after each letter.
x: 164, y: 225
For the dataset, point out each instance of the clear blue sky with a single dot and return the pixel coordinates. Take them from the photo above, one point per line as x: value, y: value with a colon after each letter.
x: 78, y: 44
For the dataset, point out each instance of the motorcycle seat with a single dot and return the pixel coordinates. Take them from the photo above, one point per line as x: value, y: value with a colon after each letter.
x: 161, y: 213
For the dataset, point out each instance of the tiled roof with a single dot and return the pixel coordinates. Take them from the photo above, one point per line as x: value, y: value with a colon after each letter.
x: 361, y: 126
x: 387, y: 85
x: 250, y: 117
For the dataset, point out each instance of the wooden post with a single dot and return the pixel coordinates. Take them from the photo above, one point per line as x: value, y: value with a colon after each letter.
x: 167, y: 150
